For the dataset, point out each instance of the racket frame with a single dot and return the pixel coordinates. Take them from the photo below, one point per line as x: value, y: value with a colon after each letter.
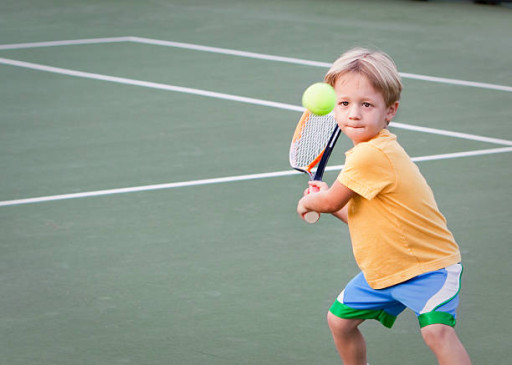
x: 323, y: 158
x: 319, y: 173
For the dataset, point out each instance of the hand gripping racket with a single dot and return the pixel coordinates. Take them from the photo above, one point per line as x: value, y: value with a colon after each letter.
x: 312, y: 144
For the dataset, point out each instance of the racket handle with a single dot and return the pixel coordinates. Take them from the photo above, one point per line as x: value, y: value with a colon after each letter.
x: 311, y: 217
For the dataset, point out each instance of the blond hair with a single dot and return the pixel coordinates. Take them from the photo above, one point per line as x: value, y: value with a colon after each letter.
x: 377, y: 66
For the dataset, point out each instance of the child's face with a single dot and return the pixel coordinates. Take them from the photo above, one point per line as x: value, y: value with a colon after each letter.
x: 360, y: 110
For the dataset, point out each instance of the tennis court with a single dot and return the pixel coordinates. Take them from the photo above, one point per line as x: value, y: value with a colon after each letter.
x: 147, y: 209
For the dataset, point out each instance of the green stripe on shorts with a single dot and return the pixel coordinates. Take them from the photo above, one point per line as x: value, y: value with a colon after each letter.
x: 429, y: 318
x: 344, y: 311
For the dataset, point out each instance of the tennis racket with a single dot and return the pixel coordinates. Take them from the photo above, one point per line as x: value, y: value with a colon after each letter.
x: 312, y: 144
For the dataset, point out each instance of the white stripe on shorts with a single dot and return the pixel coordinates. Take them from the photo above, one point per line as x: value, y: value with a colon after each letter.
x: 341, y: 296
x: 449, y: 290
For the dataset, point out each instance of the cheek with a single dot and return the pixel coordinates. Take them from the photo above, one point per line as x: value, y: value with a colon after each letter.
x: 338, y: 117
x: 339, y: 113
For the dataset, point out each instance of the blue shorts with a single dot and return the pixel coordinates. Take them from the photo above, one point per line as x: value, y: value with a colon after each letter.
x: 433, y: 296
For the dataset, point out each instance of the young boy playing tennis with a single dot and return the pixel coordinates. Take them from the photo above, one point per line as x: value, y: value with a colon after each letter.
x: 407, y: 256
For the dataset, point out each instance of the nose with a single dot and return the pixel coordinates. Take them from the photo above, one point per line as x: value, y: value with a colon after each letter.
x: 354, y: 112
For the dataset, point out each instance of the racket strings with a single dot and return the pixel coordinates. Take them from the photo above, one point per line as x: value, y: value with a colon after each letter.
x: 310, y: 140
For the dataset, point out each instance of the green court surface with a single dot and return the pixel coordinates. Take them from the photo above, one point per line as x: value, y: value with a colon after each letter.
x: 147, y: 209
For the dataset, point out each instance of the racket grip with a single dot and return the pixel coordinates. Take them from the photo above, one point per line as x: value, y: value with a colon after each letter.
x: 311, y: 217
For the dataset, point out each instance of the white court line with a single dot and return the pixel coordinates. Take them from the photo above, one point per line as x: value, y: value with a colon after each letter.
x: 226, y: 179
x: 64, y: 43
x: 443, y: 80
x: 230, y: 52
x: 152, y: 85
x: 233, y: 52
x: 450, y: 133
x: 299, y: 61
x: 254, y: 101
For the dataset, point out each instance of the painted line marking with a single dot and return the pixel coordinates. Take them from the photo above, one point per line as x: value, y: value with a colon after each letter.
x: 64, y: 43
x: 245, y: 54
x: 211, y: 94
x: 227, y: 179
x: 451, y: 134
x: 152, y: 85
x: 299, y: 61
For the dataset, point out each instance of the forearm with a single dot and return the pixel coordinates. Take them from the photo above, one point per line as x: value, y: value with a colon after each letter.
x: 319, y: 202
x: 342, y: 214
x: 327, y: 200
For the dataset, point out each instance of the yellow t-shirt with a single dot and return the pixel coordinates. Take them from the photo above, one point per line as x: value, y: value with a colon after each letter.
x: 395, y: 225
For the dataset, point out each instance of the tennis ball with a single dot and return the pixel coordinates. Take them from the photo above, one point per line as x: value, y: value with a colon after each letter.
x: 319, y: 98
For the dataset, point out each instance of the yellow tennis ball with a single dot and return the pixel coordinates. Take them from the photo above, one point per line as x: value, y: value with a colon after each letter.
x: 319, y: 98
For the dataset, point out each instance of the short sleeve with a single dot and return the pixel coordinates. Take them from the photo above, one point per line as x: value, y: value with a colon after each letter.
x: 367, y: 171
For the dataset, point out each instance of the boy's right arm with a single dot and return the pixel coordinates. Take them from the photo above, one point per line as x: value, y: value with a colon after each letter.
x: 327, y: 200
x: 342, y: 214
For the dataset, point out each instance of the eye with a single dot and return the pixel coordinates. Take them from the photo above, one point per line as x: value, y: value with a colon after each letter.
x: 343, y: 103
x: 367, y: 105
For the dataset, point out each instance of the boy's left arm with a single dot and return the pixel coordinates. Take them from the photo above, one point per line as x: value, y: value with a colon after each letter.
x: 327, y: 200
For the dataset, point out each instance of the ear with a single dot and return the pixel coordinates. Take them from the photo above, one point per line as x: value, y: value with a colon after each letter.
x: 392, y: 110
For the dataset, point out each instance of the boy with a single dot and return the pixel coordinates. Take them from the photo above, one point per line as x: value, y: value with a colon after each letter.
x: 407, y: 256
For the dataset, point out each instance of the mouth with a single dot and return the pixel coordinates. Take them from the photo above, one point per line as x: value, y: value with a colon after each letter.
x: 355, y: 128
